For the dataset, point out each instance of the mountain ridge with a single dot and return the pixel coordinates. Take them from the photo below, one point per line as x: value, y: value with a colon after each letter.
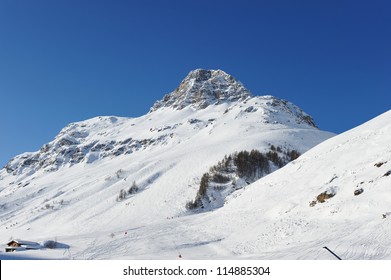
x: 199, y: 89
x: 113, y: 174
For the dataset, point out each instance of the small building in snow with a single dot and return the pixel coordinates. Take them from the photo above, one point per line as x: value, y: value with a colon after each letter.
x: 21, y: 245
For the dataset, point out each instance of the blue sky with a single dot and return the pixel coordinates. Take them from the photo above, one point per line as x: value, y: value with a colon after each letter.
x: 64, y: 61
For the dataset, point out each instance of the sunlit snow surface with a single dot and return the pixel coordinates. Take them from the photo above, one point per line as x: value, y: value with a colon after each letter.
x: 269, y: 219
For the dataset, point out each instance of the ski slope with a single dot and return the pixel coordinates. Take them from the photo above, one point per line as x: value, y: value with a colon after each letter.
x: 68, y: 191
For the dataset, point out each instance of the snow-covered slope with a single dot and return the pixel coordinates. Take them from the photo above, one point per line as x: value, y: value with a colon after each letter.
x: 69, y: 189
x: 280, y: 220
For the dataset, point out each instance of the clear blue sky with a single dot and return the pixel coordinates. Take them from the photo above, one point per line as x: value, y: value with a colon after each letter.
x: 68, y: 60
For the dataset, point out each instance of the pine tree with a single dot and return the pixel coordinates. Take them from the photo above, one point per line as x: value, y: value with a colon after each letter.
x: 133, y: 189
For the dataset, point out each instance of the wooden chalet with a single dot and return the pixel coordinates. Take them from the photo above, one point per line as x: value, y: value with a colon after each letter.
x: 21, y: 245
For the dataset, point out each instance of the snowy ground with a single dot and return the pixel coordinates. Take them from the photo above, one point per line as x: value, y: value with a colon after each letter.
x: 269, y: 219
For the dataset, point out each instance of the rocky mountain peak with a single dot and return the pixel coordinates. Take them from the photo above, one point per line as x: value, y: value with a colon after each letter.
x: 202, y: 88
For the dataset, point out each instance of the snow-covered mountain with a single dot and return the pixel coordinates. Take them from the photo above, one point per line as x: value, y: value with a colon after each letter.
x: 109, y: 186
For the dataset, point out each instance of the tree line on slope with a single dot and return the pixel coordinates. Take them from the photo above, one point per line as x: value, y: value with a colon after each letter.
x: 124, y: 193
x: 248, y: 166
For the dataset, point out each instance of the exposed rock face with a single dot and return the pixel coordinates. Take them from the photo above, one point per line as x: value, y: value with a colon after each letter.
x: 73, y: 145
x: 94, y: 139
x: 202, y: 88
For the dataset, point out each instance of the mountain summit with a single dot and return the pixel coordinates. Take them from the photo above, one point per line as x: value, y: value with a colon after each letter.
x: 222, y: 98
x: 109, y: 185
x: 202, y: 88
